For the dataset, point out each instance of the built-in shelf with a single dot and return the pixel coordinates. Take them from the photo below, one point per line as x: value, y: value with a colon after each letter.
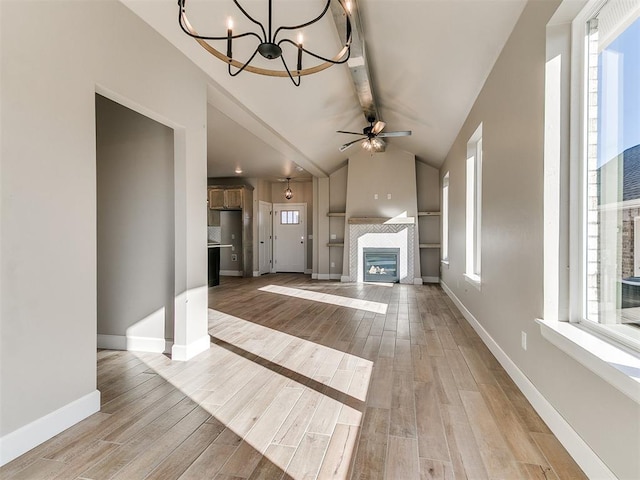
x: 429, y: 245
x: 428, y: 214
x: 336, y: 214
x: 335, y: 244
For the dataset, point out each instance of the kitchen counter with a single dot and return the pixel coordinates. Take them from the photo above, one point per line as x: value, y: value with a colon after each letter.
x: 218, y: 245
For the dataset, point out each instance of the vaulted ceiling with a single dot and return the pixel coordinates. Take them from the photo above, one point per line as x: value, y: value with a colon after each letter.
x: 428, y: 60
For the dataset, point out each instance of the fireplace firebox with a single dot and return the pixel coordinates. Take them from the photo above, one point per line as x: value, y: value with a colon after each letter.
x: 381, y: 264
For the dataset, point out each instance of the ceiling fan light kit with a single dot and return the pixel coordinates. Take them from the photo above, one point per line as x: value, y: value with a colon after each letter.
x: 270, y: 43
x: 372, y: 136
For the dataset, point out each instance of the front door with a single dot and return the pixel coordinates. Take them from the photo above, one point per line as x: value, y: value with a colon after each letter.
x: 289, y: 228
x: 264, y: 237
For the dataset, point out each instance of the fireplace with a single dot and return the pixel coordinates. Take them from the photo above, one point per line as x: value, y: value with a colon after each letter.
x: 396, y: 234
x: 380, y: 264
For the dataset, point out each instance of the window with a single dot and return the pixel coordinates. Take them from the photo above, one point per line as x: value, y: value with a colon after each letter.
x: 289, y: 217
x: 474, y: 207
x: 445, y: 218
x: 611, y: 166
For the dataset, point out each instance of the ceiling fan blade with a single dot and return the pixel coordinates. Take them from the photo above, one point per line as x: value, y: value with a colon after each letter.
x: 377, y: 128
x: 347, y: 145
x: 404, y: 133
x: 350, y: 133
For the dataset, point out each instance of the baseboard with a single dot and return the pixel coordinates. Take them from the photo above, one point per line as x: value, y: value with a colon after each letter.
x: 134, y: 344
x: 417, y: 281
x: 308, y: 271
x: 256, y: 273
x: 345, y: 278
x: 230, y: 273
x: 183, y: 353
x: 20, y: 441
x: 430, y: 279
x: 329, y: 276
x: 584, y: 456
x: 314, y: 276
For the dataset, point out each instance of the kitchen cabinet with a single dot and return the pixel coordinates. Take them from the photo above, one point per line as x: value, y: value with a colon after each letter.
x: 234, y: 197
x: 226, y: 198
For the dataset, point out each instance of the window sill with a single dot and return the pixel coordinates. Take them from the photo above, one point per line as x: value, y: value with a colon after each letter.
x: 613, y: 364
x: 473, y: 280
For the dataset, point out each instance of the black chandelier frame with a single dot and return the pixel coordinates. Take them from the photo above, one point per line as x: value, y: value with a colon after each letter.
x: 269, y: 46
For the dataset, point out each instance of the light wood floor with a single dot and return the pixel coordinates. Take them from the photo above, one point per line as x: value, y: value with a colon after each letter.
x: 303, y: 383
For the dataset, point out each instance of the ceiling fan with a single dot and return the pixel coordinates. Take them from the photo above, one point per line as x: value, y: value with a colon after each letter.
x: 372, y: 136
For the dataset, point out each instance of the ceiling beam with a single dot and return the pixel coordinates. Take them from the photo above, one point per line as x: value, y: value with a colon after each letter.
x: 357, y: 63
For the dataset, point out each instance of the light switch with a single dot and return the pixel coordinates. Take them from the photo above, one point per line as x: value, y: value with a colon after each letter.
x: 333, y: 236
x: 388, y: 196
x: 375, y: 196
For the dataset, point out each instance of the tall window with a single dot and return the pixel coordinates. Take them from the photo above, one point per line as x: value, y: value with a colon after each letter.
x: 474, y: 207
x: 611, y: 187
x: 445, y: 218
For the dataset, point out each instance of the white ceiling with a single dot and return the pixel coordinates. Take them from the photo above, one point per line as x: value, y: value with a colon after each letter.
x: 428, y: 60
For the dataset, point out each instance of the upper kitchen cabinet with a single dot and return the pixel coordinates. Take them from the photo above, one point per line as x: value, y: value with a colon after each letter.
x: 225, y: 198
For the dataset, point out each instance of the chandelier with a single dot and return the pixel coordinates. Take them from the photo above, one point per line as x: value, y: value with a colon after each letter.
x: 270, y: 41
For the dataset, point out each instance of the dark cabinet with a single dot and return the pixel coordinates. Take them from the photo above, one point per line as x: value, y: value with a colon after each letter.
x: 214, y: 266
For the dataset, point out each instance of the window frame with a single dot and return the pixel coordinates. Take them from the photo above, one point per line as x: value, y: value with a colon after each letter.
x: 565, y: 181
x: 444, y: 248
x: 473, y: 210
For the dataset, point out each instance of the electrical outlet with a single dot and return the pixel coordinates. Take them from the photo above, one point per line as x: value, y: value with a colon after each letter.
x: 388, y: 196
x: 524, y: 340
x: 375, y: 196
x: 234, y: 257
x: 333, y: 236
x: 333, y: 264
x: 233, y: 236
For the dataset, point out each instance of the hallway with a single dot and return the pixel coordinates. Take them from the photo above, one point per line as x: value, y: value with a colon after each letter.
x: 308, y: 379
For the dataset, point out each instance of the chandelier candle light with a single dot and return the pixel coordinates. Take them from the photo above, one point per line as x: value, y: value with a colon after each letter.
x: 270, y: 45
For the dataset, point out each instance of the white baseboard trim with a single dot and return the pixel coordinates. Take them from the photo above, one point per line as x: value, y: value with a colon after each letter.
x: 256, y: 273
x: 430, y: 279
x: 183, y: 353
x: 134, y: 344
x: 20, y: 441
x: 308, y: 271
x: 314, y: 276
x: 345, y: 278
x: 230, y: 273
x: 584, y: 456
x: 417, y: 281
x: 329, y: 276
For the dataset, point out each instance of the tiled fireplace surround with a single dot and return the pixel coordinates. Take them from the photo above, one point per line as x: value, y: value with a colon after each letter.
x: 382, y: 233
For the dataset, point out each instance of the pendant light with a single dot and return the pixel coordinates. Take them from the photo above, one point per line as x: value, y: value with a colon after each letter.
x: 288, y: 194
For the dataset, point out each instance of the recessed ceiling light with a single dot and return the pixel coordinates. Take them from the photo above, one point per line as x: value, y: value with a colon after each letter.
x: 238, y: 170
x: 299, y: 168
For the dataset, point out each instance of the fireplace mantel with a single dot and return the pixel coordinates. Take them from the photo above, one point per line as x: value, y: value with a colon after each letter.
x: 382, y: 220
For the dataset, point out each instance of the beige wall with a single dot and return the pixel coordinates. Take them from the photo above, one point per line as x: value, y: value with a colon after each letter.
x: 392, y: 172
x: 134, y: 157
x: 54, y: 57
x: 511, y: 109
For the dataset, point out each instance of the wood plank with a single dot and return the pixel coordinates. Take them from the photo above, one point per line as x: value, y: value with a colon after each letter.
x: 403, y: 412
x: 402, y: 458
x: 340, y: 453
x: 307, y: 460
x: 435, y: 470
x: 496, y: 456
x: 560, y: 461
x: 432, y: 439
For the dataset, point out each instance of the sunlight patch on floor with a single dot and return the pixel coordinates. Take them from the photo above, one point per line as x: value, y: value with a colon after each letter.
x: 296, y: 403
x: 369, y: 306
